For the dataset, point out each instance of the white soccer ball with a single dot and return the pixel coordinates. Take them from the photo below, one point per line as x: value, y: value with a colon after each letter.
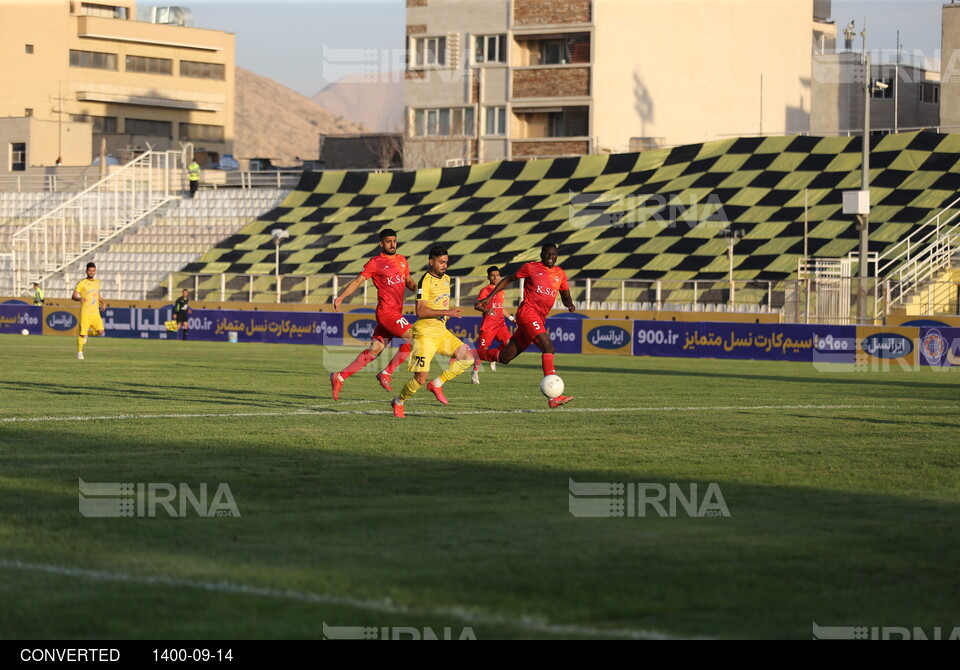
x: 551, y: 386
x: 24, y: 332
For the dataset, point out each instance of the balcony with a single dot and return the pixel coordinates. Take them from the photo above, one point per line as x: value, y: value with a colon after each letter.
x: 562, y: 82
x: 550, y: 12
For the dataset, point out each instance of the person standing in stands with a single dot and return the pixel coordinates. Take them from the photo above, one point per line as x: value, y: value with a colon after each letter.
x: 37, y: 295
x: 193, y: 174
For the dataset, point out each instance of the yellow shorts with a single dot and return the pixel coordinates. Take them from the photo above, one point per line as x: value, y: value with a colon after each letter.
x: 426, y: 346
x: 90, y: 321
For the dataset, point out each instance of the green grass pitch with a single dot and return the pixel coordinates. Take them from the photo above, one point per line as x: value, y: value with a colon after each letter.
x: 842, y: 489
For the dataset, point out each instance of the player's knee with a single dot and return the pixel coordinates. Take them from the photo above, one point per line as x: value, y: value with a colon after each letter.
x: 376, y: 347
x: 420, y: 377
x: 463, y: 353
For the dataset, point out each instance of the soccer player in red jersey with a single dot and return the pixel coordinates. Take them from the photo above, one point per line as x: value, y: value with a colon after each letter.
x: 543, y: 281
x: 391, y: 275
x: 493, y: 326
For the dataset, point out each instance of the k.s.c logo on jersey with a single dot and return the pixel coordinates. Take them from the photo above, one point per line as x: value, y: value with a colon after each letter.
x: 61, y: 321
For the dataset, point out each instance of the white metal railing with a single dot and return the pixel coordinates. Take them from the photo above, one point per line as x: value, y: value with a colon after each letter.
x: 918, y: 257
x: 95, y: 215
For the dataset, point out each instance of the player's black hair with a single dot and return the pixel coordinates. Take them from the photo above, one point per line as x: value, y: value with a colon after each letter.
x: 438, y: 251
x: 91, y: 265
x: 387, y: 232
x: 492, y: 268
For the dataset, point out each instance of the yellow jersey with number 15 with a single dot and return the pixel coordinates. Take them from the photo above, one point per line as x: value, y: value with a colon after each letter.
x: 435, y: 291
x: 89, y: 290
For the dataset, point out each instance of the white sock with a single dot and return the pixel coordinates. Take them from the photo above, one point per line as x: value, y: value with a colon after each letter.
x: 397, y: 401
x: 339, y: 378
x: 438, y: 382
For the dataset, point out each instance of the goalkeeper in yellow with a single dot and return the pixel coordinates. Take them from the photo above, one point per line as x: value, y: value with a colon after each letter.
x: 430, y: 334
x: 87, y: 294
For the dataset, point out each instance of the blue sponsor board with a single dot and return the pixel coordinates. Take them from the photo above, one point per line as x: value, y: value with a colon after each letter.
x: 61, y: 321
x: 566, y: 334
x: 16, y: 318
x: 608, y: 337
x: 940, y: 347
x: 889, y: 346
x: 216, y: 325
x: 145, y: 324
x: 772, y: 342
x: 290, y: 327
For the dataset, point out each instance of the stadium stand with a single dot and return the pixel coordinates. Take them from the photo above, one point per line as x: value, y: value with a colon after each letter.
x: 656, y: 215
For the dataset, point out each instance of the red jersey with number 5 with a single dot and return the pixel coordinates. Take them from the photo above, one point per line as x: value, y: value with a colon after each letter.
x: 389, y: 275
x: 540, y: 288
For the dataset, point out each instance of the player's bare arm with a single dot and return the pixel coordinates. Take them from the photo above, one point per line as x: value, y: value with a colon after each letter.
x: 76, y: 296
x: 426, y: 312
x: 348, y: 291
x: 411, y: 283
x: 567, y: 300
x: 501, y: 286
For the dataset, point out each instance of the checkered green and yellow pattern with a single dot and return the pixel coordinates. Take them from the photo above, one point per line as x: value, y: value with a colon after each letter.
x: 653, y: 215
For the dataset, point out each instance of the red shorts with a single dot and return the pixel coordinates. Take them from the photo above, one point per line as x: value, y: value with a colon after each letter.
x: 527, y: 331
x: 493, y: 332
x: 390, y: 326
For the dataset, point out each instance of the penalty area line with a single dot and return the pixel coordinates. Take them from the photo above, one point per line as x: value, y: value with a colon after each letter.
x: 467, y: 616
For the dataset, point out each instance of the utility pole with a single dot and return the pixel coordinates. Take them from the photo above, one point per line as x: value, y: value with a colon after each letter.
x: 864, y: 219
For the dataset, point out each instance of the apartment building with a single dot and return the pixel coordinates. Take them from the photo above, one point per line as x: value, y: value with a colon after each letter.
x: 492, y: 79
x: 85, y: 71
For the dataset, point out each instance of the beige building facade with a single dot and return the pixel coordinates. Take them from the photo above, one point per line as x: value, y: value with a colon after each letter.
x: 66, y: 63
x: 489, y: 79
x: 950, y: 69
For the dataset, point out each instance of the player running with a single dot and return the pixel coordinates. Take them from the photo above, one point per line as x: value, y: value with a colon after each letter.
x: 430, y: 334
x: 493, y: 326
x: 87, y: 294
x: 391, y: 276
x: 543, y: 281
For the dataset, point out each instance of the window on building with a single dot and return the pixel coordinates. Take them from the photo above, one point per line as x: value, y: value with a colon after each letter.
x: 491, y: 49
x: 103, y: 11
x: 189, y: 68
x: 553, y: 52
x: 101, y: 124
x: 18, y: 156
x: 570, y: 122
x: 28, y: 48
x: 149, y: 65
x: 430, y: 51
x: 930, y: 94
x: 201, y: 132
x: 28, y: 111
x: 446, y: 122
x: 884, y: 92
x: 93, y: 59
x: 148, y: 127
x: 496, y: 122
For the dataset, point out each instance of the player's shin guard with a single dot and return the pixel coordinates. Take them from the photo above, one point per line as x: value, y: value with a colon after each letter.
x: 548, y: 369
x: 412, y: 387
x: 80, y: 342
x: 361, y: 361
x: 489, y: 355
x: 456, y: 368
x: 401, y: 356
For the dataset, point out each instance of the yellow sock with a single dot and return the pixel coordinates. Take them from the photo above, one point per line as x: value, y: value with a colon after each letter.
x: 412, y: 387
x: 80, y: 342
x: 456, y: 368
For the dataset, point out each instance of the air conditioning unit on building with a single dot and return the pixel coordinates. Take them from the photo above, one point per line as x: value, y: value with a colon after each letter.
x: 172, y: 16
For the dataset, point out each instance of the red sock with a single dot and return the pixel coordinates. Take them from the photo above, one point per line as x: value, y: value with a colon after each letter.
x: 401, y: 356
x: 362, y: 360
x: 489, y: 355
x: 547, y: 361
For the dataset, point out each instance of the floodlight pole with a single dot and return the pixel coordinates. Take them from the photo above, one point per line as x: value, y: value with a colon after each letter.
x: 863, y: 220
x: 276, y: 243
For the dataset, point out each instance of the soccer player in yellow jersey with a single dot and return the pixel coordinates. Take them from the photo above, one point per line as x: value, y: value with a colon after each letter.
x: 87, y: 294
x: 430, y: 334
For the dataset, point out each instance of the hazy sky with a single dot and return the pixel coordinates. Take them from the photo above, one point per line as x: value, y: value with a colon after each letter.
x: 307, y: 44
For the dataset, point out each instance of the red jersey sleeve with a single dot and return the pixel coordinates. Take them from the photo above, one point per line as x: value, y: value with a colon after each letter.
x: 524, y: 271
x: 370, y: 268
x: 484, y: 292
x: 563, y: 282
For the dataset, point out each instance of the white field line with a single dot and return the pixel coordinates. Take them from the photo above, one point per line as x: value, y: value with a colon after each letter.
x: 528, y: 623
x: 330, y: 410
